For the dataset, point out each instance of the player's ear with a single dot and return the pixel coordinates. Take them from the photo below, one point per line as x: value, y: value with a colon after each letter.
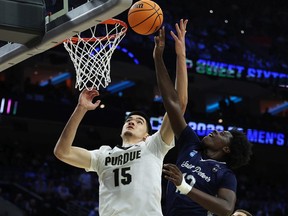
x: 145, y: 137
x: 226, y: 149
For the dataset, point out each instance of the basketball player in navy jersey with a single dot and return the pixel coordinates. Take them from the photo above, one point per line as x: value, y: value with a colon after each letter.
x: 129, y: 174
x: 202, y: 182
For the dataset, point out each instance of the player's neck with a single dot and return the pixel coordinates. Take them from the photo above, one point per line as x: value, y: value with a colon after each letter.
x: 130, y: 140
x: 215, y: 155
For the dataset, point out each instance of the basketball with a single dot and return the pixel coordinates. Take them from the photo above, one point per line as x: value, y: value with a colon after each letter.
x: 145, y: 17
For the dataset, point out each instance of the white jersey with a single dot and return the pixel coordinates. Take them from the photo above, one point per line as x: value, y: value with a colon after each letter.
x: 130, y: 177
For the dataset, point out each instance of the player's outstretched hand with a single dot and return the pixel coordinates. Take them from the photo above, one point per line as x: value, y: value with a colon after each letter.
x: 159, y: 43
x: 173, y: 174
x: 179, y: 38
x: 86, y: 99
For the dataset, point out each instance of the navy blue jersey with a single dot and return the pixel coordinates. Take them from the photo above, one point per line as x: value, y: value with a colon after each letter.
x: 210, y: 175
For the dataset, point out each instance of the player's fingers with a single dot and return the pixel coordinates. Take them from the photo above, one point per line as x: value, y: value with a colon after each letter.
x: 170, y: 166
x: 85, y: 91
x: 173, y: 35
x: 94, y: 92
x: 173, y: 168
x: 170, y: 178
x: 181, y: 23
x: 168, y: 172
x: 178, y: 29
x: 156, y: 40
x: 163, y: 31
x: 97, y: 103
x: 183, y: 26
x: 92, y: 96
x: 185, y: 23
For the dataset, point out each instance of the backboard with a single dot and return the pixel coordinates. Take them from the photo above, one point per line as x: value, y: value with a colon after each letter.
x: 62, y: 25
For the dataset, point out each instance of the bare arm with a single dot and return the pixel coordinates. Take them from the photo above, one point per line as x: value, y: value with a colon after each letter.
x: 175, y: 102
x: 181, y: 82
x: 64, y: 151
x: 221, y: 205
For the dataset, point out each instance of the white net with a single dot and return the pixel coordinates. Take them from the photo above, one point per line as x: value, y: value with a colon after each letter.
x: 91, y: 52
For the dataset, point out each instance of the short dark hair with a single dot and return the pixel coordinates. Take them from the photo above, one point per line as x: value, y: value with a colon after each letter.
x: 145, y: 116
x: 240, y: 149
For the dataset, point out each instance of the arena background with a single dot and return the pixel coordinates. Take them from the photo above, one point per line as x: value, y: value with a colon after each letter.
x: 237, y: 67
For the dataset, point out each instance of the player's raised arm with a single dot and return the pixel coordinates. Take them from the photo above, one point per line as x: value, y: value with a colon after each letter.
x: 181, y: 82
x: 169, y: 94
x: 64, y: 150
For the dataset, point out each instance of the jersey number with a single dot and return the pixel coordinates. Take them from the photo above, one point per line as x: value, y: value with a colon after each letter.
x: 190, y: 178
x: 125, y: 177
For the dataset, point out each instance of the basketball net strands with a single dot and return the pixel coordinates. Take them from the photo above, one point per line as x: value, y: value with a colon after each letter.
x: 91, y: 52
x: 60, y: 26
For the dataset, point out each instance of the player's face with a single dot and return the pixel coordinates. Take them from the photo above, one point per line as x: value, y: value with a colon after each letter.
x: 135, y: 125
x: 217, y: 140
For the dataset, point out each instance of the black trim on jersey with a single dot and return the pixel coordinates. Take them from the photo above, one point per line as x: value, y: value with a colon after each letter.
x: 124, y: 148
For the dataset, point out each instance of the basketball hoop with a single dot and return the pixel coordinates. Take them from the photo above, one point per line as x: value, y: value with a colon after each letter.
x: 91, y: 53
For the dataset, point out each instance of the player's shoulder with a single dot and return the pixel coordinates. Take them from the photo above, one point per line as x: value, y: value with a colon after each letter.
x: 151, y: 138
x: 222, y: 169
x: 217, y: 166
x: 104, y: 148
x: 188, y: 135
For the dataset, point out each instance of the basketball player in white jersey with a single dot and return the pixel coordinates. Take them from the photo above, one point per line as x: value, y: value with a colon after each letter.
x: 129, y: 174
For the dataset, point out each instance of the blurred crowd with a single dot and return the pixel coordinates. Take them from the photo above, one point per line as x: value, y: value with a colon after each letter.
x: 40, y: 185
x: 247, y: 32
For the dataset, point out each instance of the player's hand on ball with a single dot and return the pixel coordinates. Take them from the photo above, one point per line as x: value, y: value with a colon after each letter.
x: 86, y: 99
x: 159, y: 43
x: 173, y: 174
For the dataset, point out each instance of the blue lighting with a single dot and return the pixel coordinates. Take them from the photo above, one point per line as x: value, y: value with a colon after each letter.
x: 212, y: 107
x: 158, y: 99
x: 113, y: 88
x: 215, y: 106
x: 124, y: 50
x: 130, y: 54
x: 279, y: 108
x: 94, y: 52
x: 57, y: 79
x: 136, y: 61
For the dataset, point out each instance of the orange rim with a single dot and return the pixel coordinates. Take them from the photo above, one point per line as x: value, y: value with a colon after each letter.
x: 106, y: 37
